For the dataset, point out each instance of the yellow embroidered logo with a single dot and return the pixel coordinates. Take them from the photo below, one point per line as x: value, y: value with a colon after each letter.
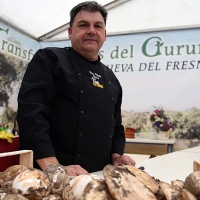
x: 95, y: 80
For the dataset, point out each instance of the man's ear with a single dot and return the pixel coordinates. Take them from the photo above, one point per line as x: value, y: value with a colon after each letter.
x: 69, y: 32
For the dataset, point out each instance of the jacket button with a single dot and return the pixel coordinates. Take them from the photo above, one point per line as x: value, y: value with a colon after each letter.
x: 82, y: 112
x: 109, y: 82
x: 113, y: 99
x: 110, y: 136
x: 112, y: 116
x: 82, y: 91
x: 105, y: 154
x: 81, y: 134
x: 79, y: 155
x: 79, y: 74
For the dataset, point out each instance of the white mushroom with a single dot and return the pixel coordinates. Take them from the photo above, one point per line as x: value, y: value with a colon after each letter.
x: 178, y: 184
x: 187, y: 195
x: 145, y: 178
x: 11, y: 172
x: 76, y: 187
x: 96, y: 190
x: 192, y: 183
x: 7, y: 186
x: 53, y: 197
x: 2, y: 194
x: 15, y: 197
x: 160, y: 195
x: 122, y: 184
x: 170, y: 192
x: 7, y: 177
x: 32, y: 183
x: 58, y: 177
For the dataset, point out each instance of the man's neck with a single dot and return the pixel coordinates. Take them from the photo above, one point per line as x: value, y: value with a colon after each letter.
x: 90, y: 56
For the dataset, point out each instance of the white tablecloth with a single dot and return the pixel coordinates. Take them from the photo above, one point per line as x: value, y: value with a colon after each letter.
x: 177, y: 165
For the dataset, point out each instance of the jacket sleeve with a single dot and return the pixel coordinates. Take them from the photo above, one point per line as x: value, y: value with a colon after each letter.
x: 36, y: 94
x: 118, y: 142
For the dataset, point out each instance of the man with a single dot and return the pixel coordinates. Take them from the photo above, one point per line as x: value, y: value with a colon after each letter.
x: 69, y: 104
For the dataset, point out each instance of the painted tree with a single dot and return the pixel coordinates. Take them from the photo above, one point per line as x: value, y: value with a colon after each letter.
x: 189, y: 125
x: 11, y: 72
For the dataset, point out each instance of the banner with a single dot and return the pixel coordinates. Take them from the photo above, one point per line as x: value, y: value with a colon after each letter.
x: 156, y: 69
x: 16, y: 50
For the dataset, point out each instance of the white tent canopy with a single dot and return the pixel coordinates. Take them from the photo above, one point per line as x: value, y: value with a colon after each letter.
x: 49, y: 19
x: 150, y: 15
x: 38, y: 17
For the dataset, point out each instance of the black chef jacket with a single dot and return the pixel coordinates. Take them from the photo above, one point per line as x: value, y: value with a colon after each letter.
x: 70, y: 108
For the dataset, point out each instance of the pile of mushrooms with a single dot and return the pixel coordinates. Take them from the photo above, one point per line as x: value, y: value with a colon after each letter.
x: 119, y: 183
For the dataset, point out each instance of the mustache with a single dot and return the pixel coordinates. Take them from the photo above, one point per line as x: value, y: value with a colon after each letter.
x: 91, y: 38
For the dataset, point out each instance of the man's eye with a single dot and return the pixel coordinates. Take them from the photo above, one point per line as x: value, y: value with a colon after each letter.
x: 82, y: 25
x: 98, y: 26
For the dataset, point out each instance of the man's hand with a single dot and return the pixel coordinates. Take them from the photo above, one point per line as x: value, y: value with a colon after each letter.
x: 72, y: 170
x: 75, y: 170
x: 118, y: 160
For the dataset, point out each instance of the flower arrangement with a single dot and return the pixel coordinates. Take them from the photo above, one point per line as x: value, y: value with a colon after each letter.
x: 161, y: 122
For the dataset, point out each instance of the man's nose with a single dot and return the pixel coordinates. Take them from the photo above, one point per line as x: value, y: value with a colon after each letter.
x: 91, y: 29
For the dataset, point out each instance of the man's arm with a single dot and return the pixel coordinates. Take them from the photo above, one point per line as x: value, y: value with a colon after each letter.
x: 36, y: 94
x: 44, y: 162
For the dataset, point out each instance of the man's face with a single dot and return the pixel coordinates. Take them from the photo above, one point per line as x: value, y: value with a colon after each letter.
x: 87, y: 34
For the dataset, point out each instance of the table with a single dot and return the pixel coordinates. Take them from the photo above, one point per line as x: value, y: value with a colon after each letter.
x: 193, y: 150
x: 174, y: 166
x: 170, y: 142
x: 168, y: 167
x: 138, y: 157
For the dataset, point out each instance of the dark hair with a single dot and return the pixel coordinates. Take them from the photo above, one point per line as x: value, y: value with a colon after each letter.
x: 90, y: 6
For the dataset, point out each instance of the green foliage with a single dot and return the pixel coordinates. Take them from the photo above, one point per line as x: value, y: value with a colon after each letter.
x: 11, y: 72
